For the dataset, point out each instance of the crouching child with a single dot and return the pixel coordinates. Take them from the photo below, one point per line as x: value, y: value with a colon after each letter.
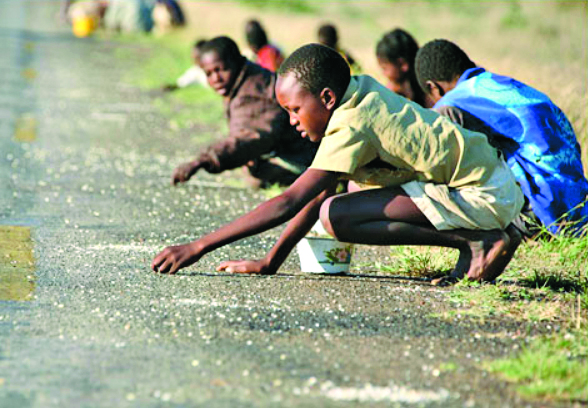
x: 416, y: 178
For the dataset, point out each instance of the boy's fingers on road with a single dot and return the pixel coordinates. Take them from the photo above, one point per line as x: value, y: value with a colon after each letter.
x: 232, y: 267
x: 181, y: 174
x: 166, y: 266
x: 157, y: 261
x: 162, y: 261
x: 242, y: 266
x: 176, y: 178
x: 224, y: 266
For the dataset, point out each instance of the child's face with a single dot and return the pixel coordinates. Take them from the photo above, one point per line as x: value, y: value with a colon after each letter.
x: 309, y: 113
x: 220, y: 74
x: 392, y: 70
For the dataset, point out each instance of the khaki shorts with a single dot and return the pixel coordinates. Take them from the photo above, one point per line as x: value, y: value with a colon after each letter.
x: 493, y: 205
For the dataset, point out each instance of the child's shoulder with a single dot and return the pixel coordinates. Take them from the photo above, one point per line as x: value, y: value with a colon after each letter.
x: 366, y: 96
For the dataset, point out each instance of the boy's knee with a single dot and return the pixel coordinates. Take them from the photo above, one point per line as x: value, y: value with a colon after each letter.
x: 324, y: 216
x: 352, y: 187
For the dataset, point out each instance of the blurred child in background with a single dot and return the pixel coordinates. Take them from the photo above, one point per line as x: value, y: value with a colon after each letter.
x: 129, y: 15
x: 327, y: 35
x: 194, y: 75
x: 265, y: 54
x: 166, y: 15
x: 260, y: 135
x: 396, y: 52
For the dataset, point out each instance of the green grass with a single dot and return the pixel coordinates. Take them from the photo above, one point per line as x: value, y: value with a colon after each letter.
x: 288, y: 6
x: 514, y: 18
x: 553, y: 368
x: 483, y: 301
x: 555, y: 261
x: 448, y: 367
x: 168, y: 57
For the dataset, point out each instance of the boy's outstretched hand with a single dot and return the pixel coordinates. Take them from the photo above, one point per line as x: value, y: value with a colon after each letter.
x: 185, y: 171
x: 258, y: 267
x: 174, y: 258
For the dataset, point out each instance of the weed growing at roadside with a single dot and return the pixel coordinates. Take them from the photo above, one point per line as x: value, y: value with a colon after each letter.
x: 558, y: 262
x: 551, y: 368
x: 423, y: 262
x: 508, y: 300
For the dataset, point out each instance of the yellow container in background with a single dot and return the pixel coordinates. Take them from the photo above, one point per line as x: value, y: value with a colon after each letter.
x: 83, y: 26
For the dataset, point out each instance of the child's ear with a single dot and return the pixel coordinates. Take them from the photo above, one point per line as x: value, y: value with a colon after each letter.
x: 430, y: 87
x: 434, y: 89
x: 328, y: 98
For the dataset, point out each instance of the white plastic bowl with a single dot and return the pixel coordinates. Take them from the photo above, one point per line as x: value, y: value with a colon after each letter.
x: 323, y: 255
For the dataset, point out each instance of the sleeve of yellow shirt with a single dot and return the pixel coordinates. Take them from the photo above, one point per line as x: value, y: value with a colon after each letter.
x: 344, y: 150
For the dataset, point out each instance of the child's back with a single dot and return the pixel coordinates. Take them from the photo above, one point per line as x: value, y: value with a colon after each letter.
x: 435, y: 155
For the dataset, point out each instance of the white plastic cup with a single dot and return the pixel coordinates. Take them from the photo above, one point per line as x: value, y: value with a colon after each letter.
x: 323, y: 255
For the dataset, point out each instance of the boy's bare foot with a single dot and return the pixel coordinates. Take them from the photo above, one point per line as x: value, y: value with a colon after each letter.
x: 487, y: 255
x: 492, y: 253
x: 499, y: 259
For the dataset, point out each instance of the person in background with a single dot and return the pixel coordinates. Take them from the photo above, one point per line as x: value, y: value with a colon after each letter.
x: 327, y: 35
x: 533, y: 133
x: 166, y: 15
x: 129, y: 15
x: 85, y: 16
x: 396, y: 52
x: 194, y: 75
x: 261, y: 137
x: 438, y: 185
x: 267, y: 55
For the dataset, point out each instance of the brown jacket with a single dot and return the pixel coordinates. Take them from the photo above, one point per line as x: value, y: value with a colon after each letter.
x: 258, y: 126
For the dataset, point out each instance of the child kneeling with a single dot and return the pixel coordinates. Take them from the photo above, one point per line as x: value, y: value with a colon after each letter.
x: 418, y: 178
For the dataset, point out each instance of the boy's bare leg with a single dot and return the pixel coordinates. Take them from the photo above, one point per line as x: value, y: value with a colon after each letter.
x: 389, y: 217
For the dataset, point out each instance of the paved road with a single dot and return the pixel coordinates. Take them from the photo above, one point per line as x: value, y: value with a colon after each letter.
x: 85, y: 204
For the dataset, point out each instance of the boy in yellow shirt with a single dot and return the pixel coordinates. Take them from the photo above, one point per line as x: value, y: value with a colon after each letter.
x: 418, y: 179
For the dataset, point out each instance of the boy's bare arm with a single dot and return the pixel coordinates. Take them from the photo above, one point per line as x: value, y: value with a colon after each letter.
x: 268, y: 215
x: 294, y: 232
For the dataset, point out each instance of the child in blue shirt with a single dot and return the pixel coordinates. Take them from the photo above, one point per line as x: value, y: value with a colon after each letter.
x: 533, y: 133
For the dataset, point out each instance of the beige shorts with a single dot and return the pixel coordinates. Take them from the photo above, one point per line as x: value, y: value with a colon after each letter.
x: 493, y: 205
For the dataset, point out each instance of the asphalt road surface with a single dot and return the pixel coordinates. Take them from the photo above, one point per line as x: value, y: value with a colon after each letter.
x: 86, y: 203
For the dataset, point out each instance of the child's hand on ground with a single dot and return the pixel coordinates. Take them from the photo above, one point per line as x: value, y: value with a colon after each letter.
x: 258, y: 267
x: 184, y: 172
x: 174, y: 258
x: 169, y: 87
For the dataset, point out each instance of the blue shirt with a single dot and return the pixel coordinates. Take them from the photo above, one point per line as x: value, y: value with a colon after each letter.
x: 545, y: 157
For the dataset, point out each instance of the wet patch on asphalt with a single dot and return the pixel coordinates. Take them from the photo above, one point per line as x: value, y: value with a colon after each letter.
x: 17, y: 263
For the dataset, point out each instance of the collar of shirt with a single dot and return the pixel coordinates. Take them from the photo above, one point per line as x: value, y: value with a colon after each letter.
x: 351, y: 88
x: 470, y: 73
x: 467, y: 74
x: 239, y: 81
